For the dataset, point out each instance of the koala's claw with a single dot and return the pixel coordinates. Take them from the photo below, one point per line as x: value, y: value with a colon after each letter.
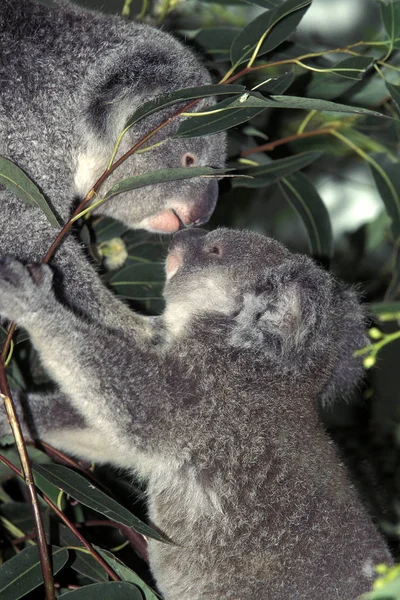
x: 22, y: 287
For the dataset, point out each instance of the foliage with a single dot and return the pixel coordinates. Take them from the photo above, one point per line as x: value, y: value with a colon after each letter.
x: 299, y: 116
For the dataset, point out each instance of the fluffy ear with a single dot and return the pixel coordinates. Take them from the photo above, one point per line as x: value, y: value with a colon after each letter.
x: 302, y: 317
x: 281, y: 314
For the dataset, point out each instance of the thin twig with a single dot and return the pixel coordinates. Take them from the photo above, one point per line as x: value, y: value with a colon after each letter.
x: 66, y: 522
x: 290, y: 138
x: 27, y: 476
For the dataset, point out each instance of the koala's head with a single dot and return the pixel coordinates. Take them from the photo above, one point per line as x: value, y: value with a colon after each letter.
x: 117, y: 85
x: 215, y: 273
x: 272, y: 303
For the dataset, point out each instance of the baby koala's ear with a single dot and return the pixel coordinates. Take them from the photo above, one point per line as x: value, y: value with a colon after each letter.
x: 282, y: 313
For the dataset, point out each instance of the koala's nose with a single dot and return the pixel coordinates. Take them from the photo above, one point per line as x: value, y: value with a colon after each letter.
x: 185, y: 236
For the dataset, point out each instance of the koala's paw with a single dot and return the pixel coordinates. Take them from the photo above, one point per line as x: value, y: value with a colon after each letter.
x: 23, y: 289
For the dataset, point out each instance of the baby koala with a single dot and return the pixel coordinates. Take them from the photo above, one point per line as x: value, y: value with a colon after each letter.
x: 220, y: 417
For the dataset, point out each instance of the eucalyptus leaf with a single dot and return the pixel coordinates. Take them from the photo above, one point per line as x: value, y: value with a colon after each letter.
x: 381, y: 308
x: 387, y: 180
x: 304, y: 198
x: 276, y: 169
x: 80, y: 559
x: 390, y: 12
x: 222, y: 116
x: 127, y: 574
x: 22, y: 573
x: 267, y: 4
x: 271, y: 28
x: 161, y: 176
x: 353, y: 67
x: 237, y: 111
x: 394, y: 91
x: 139, y: 281
x: 86, y: 493
x: 117, y: 590
x: 217, y: 40
x: 15, y: 180
x: 279, y: 84
x: 148, y: 108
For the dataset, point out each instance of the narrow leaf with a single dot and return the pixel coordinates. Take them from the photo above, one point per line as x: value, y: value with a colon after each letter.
x: 23, y: 573
x: 15, y: 180
x: 394, y: 91
x: 140, y: 281
x: 161, y: 176
x: 280, y: 84
x: 267, y: 4
x: 148, y: 108
x: 304, y: 198
x: 390, y: 13
x: 86, y: 493
x: 80, y: 559
x: 223, y: 116
x: 275, y: 25
x: 235, y: 112
x: 384, y: 308
x: 127, y: 574
x: 276, y: 169
x: 117, y: 590
x: 353, y: 67
x: 387, y: 180
x: 279, y: 101
x: 217, y: 40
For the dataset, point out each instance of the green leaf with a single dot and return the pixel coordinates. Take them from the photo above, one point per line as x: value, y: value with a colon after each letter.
x: 23, y: 573
x: 148, y: 108
x: 117, y: 590
x: 12, y: 455
x: 271, y: 28
x: 304, y: 198
x: 387, y: 180
x: 382, y: 308
x: 80, y: 559
x: 256, y: 100
x: 328, y: 86
x: 353, y: 67
x: 161, y: 176
x: 222, y: 116
x: 237, y: 111
x: 394, y: 91
x: 86, y: 493
x: 139, y: 281
x: 127, y: 574
x: 280, y: 84
x: 267, y: 4
x: 276, y: 169
x: 390, y: 13
x: 15, y: 180
x: 217, y: 40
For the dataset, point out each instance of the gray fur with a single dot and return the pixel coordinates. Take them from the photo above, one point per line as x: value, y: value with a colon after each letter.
x: 221, y: 418
x: 69, y: 80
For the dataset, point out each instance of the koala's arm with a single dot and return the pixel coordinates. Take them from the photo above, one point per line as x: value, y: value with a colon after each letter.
x: 53, y: 419
x: 106, y: 377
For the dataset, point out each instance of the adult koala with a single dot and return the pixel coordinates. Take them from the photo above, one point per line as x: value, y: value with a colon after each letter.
x: 221, y: 417
x: 70, y: 79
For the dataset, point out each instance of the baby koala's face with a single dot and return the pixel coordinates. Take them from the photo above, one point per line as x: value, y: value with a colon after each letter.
x: 210, y: 272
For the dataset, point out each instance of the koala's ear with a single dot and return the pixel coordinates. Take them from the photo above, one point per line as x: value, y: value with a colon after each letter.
x: 280, y: 316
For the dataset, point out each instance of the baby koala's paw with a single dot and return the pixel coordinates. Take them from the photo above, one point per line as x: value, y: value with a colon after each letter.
x: 24, y: 289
